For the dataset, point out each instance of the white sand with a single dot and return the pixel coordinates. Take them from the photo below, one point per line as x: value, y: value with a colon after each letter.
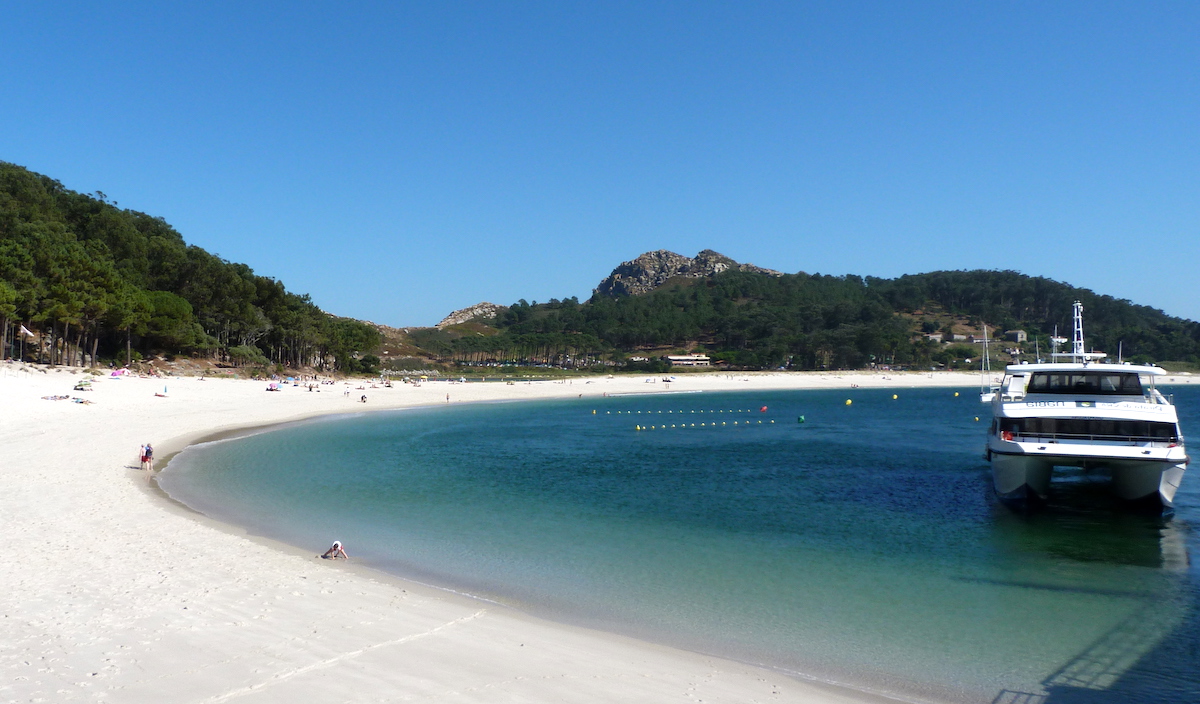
x: 112, y: 593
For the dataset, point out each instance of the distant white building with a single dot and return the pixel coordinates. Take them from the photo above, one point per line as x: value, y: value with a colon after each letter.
x: 688, y: 360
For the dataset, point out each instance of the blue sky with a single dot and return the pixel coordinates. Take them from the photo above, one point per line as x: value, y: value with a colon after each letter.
x: 398, y: 161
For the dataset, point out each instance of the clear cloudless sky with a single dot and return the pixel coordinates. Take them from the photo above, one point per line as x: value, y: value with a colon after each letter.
x: 400, y: 160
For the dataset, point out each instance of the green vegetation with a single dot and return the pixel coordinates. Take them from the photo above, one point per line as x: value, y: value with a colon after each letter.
x: 98, y: 282
x: 801, y: 321
x: 101, y: 282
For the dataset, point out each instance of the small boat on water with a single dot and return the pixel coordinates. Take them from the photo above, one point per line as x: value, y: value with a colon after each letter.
x: 1084, y: 413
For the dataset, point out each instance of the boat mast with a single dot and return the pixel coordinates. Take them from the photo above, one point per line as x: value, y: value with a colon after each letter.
x: 985, y: 369
x: 1077, y: 334
x: 1077, y: 353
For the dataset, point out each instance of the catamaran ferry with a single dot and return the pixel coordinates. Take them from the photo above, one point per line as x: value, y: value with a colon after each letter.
x: 1082, y: 413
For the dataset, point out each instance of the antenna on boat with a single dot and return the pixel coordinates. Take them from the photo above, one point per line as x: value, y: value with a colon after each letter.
x: 1120, y: 351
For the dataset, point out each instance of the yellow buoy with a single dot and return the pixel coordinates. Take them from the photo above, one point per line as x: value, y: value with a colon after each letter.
x: 894, y: 397
x: 593, y: 412
x: 848, y: 402
x: 976, y: 419
x: 955, y: 393
x: 638, y: 427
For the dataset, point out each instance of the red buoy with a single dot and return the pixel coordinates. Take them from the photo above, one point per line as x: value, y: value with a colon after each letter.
x: 763, y: 409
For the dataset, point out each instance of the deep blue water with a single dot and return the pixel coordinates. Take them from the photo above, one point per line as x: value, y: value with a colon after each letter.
x: 863, y: 545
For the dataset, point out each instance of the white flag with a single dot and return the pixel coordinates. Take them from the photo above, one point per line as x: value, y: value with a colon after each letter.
x: 25, y: 331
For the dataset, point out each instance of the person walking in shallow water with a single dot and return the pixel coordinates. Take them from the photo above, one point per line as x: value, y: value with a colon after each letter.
x: 336, y: 551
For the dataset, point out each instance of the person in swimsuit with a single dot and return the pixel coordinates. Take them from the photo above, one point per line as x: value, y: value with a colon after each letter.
x: 336, y: 551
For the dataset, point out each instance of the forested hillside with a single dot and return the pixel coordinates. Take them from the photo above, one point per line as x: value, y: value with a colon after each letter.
x: 753, y: 320
x: 97, y: 282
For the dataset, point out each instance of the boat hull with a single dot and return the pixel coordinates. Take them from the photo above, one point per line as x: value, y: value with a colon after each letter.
x: 1019, y: 477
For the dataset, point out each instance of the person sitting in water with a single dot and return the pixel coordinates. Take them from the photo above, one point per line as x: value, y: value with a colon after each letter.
x: 334, y: 552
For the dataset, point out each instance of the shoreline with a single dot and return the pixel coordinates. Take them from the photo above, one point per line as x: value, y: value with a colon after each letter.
x: 124, y: 594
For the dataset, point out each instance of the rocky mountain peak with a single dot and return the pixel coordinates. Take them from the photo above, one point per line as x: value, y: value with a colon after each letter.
x: 653, y: 269
x: 463, y: 315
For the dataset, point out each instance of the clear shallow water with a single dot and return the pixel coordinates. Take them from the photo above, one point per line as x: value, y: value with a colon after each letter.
x: 863, y: 545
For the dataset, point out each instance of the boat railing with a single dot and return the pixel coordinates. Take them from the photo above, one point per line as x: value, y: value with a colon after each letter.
x: 1127, y: 439
x: 1155, y: 396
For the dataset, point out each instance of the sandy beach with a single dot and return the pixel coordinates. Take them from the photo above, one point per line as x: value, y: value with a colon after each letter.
x: 114, y: 593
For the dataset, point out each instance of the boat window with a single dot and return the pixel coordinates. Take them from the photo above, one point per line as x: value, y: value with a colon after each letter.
x: 1015, y: 385
x: 1085, y: 383
x: 1090, y: 428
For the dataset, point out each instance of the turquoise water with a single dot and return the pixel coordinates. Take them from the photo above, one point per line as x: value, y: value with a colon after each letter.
x: 863, y: 545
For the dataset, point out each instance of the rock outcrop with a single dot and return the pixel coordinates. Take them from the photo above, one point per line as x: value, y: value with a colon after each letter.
x: 653, y: 269
x: 479, y: 310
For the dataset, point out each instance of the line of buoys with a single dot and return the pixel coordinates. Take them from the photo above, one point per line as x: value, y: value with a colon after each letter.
x: 664, y: 426
x: 630, y: 413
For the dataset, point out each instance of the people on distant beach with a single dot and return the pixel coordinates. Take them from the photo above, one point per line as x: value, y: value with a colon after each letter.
x: 147, y: 457
x: 336, y: 551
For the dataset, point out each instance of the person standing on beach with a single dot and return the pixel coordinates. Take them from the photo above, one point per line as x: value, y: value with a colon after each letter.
x: 147, y: 457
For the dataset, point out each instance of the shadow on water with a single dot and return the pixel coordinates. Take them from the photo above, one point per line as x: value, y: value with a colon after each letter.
x: 1130, y: 664
x: 1151, y: 655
